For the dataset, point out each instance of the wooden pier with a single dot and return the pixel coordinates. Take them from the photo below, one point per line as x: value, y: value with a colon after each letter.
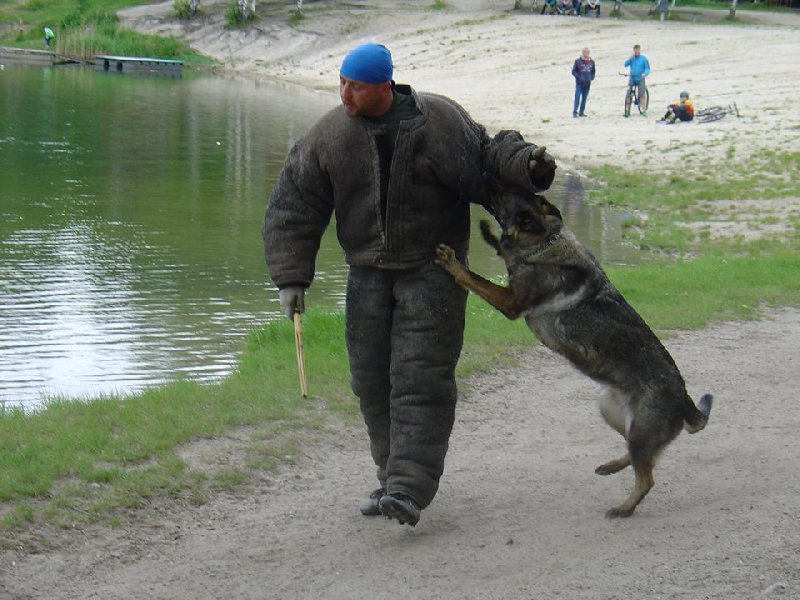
x: 138, y: 64
x: 26, y: 56
x: 31, y: 56
x: 117, y: 64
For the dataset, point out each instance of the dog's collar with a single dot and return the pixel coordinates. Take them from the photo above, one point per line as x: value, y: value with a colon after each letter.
x: 538, y: 249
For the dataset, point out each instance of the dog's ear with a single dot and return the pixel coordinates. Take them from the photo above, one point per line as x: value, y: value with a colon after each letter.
x: 548, y: 209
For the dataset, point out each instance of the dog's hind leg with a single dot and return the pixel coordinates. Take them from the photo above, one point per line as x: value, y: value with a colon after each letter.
x: 614, y: 466
x: 613, y: 407
x: 643, y: 450
x: 643, y: 468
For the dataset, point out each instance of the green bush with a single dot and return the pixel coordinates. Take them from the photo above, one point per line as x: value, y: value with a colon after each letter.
x: 234, y: 16
x: 182, y: 9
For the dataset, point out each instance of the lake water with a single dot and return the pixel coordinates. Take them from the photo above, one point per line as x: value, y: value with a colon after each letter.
x: 130, y: 226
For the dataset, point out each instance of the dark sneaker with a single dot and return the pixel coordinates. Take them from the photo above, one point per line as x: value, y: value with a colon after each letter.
x: 370, y: 507
x: 400, y: 507
x: 581, y: 114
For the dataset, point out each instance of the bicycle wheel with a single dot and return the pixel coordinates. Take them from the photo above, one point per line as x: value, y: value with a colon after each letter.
x: 644, y: 103
x: 628, y: 101
x: 707, y: 111
x: 712, y: 116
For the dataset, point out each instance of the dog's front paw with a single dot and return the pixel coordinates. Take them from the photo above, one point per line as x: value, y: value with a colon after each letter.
x: 618, y: 513
x: 446, y: 257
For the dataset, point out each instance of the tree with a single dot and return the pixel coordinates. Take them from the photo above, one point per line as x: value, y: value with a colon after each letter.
x: 247, y: 9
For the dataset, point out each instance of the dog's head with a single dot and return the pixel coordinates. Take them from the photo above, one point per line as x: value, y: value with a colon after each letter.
x: 527, y: 219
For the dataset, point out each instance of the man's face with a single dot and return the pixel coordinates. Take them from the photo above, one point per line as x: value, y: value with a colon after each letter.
x: 364, y: 99
x: 637, y: 51
x: 585, y: 54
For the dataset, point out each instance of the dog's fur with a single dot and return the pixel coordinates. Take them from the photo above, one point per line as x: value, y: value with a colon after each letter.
x: 567, y: 300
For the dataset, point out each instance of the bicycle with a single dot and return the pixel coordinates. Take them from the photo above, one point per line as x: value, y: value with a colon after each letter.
x: 632, y: 97
x: 715, y: 113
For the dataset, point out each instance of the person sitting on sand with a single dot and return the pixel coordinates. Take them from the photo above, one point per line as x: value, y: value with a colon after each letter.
x: 682, y: 109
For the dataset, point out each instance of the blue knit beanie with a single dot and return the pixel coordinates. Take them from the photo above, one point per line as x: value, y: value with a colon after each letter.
x: 370, y: 63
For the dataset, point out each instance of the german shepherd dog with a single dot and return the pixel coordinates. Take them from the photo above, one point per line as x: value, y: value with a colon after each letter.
x: 558, y: 286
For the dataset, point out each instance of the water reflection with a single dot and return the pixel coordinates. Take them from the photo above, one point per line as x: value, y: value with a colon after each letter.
x: 130, y: 214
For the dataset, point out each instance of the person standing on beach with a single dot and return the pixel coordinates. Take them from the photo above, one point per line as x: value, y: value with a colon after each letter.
x: 639, y: 69
x: 583, y: 70
x: 398, y: 169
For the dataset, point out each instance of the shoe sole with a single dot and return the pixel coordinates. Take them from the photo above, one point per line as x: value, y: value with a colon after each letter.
x: 394, y: 510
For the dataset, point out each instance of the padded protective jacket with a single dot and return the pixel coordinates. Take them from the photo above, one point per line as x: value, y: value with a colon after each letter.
x: 436, y: 171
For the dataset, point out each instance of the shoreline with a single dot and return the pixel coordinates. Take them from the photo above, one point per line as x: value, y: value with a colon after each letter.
x: 519, y: 513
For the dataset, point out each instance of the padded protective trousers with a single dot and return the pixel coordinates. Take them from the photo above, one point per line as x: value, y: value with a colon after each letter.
x: 405, y: 329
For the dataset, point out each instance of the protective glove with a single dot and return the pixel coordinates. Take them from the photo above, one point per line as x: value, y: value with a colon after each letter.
x: 542, y: 165
x: 292, y: 299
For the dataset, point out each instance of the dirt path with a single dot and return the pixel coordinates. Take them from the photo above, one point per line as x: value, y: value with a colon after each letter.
x: 520, y: 511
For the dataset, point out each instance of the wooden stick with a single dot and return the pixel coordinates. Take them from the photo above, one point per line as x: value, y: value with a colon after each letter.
x: 301, y: 361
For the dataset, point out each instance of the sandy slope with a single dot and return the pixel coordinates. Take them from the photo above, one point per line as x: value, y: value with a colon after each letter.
x: 512, y: 70
x: 520, y: 512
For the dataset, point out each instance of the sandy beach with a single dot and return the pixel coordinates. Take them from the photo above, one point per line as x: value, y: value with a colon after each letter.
x: 512, y: 70
x: 520, y: 511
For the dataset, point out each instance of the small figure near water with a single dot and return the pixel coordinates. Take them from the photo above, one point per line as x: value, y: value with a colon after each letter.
x: 49, y: 35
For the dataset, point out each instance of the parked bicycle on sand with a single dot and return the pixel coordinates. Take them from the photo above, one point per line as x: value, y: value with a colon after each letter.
x: 634, y: 97
x: 715, y: 113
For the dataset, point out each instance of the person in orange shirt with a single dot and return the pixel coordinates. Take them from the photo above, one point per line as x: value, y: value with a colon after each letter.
x: 682, y: 109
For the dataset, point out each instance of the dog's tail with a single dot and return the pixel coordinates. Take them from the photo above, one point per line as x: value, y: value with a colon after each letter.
x: 696, y: 417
